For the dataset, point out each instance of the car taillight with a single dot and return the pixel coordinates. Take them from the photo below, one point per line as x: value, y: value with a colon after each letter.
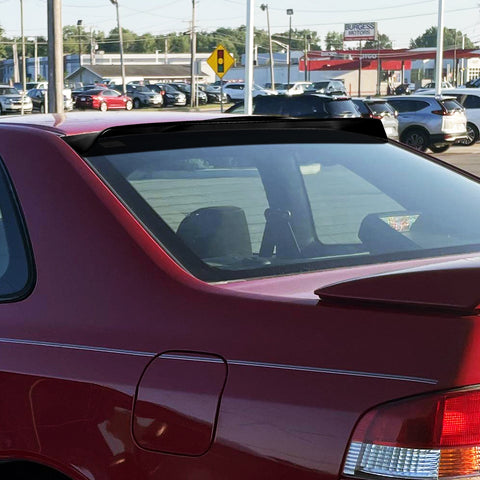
x: 431, y: 437
x: 442, y: 112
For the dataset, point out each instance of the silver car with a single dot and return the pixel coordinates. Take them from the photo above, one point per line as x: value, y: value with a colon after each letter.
x: 143, y: 96
x: 11, y: 101
x: 429, y: 122
x: 381, y: 109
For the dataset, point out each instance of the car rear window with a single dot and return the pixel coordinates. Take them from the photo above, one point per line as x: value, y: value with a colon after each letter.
x: 341, y: 108
x: 252, y: 208
x: 381, y: 108
x: 451, y: 105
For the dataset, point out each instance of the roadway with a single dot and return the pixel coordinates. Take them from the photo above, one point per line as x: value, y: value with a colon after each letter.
x: 466, y: 158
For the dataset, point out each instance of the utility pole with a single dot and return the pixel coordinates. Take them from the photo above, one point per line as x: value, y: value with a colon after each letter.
x: 360, y: 69
x: 120, y: 37
x: 55, y: 57
x: 79, y: 34
x: 193, y: 50
x: 24, y: 60
x: 35, y: 54
x: 93, y: 44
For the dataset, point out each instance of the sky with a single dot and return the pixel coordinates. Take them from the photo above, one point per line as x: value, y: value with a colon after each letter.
x: 401, y: 20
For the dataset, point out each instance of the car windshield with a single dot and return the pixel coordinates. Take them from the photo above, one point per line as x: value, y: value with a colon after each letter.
x: 169, y: 88
x: 181, y: 87
x: 243, y: 210
x: 8, y: 91
x: 142, y: 88
x: 318, y: 85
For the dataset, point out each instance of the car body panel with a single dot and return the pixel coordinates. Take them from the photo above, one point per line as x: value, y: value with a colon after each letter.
x: 109, y: 301
x: 165, y: 418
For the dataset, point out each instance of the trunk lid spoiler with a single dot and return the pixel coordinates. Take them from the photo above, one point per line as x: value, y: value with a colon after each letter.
x: 451, y: 286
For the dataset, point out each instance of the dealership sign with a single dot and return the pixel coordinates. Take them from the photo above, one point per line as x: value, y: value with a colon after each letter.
x: 360, y: 31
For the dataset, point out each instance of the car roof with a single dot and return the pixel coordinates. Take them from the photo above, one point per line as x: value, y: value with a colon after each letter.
x: 461, y: 91
x: 75, y: 123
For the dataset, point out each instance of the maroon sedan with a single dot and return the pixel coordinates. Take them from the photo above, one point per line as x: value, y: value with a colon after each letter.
x: 231, y: 298
x: 103, y: 99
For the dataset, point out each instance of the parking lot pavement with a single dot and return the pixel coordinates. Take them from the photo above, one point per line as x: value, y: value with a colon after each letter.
x: 466, y: 158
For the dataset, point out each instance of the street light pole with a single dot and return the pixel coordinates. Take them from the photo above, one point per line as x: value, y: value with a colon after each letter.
x: 289, y: 13
x: 305, y: 56
x: 264, y: 7
x: 120, y: 35
x: 439, y: 59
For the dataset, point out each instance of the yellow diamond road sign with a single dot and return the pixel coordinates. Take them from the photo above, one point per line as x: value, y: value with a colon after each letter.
x: 220, y: 60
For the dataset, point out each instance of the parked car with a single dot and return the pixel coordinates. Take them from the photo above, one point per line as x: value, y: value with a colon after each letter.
x: 316, y: 106
x: 295, y: 88
x: 474, y: 83
x: 268, y: 86
x: 404, y: 89
x: 470, y: 100
x: 431, y: 85
x: 38, y: 96
x: 327, y: 87
x: 80, y: 90
x: 171, y: 95
x: 236, y: 91
x: 425, y: 121
x: 380, y: 109
x: 186, y: 89
x: 207, y: 297
x: 11, y: 101
x: 142, y: 96
x: 67, y: 91
x: 214, y: 94
x: 103, y: 99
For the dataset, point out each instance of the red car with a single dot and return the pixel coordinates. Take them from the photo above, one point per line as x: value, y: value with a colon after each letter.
x: 204, y: 297
x: 103, y: 99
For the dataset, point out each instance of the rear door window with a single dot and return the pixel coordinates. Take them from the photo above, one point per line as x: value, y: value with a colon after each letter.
x: 403, y: 106
x: 471, y: 101
x: 16, y: 258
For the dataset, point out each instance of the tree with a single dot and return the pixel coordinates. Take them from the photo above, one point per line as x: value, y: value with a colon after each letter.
x: 112, y: 44
x: 147, y: 43
x: 334, y: 41
x: 452, y: 38
x: 382, y: 42
x: 73, y: 37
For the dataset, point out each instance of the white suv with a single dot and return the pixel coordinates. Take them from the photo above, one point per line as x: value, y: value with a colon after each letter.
x: 469, y: 98
x: 426, y: 121
x: 11, y: 101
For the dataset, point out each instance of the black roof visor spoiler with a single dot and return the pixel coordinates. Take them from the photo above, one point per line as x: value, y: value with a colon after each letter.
x: 95, y: 144
x: 450, y: 286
